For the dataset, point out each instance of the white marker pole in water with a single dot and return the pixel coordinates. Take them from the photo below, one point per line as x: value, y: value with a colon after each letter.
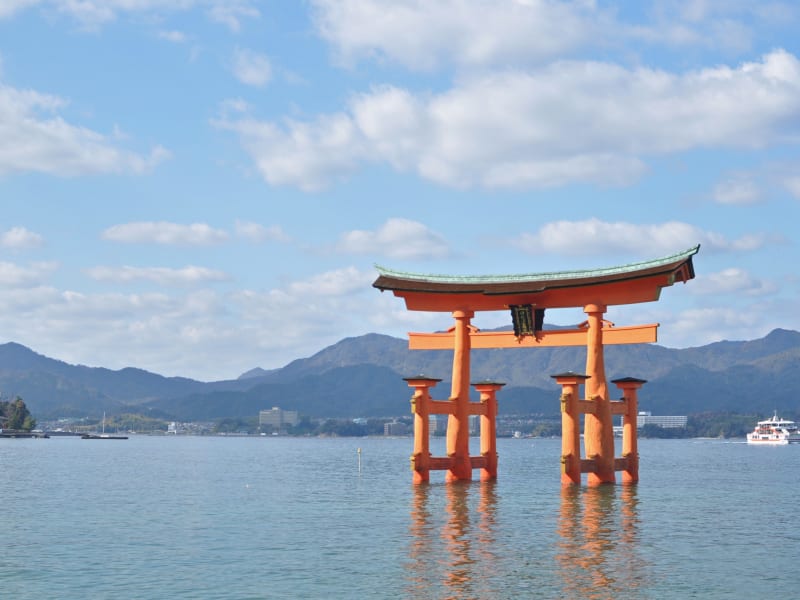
x: 359, y: 460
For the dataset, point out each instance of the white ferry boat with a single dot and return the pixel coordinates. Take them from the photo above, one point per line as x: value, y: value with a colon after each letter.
x: 774, y: 431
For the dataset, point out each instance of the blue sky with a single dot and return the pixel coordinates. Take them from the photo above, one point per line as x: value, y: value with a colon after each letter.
x: 201, y: 187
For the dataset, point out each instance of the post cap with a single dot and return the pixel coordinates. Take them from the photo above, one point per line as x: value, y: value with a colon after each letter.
x: 571, y: 374
x: 421, y: 377
x: 628, y: 380
x: 488, y: 382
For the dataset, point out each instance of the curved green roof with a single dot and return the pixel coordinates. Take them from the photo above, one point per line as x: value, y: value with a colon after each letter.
x: 387, y: 276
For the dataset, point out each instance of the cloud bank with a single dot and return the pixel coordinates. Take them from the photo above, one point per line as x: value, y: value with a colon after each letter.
x: 567, y: 122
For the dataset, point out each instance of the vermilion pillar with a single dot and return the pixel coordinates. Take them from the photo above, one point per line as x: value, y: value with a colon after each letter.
x: 420, y: 408
x: 570, y: 426
x: 458, y: 421
x: 598, y: 427
x: 488, y: 395
x: 630, y: 444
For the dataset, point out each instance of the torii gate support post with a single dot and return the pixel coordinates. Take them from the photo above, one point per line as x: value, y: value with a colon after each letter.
x: 598, y: 431
x: 420, y: 408
x: 630, y: 447
x: 458, y: 421
x: 488, y: 396
x: 570, y: 427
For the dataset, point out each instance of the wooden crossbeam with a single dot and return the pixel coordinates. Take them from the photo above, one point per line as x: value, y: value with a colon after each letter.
x: 621, y: 463
x: 440, y: 463
x: 619, y: 407
x: 441, y: 407
x: 447, y: 407
x: 551, y: 338
x: 477, y: 462
x: 443, y: 463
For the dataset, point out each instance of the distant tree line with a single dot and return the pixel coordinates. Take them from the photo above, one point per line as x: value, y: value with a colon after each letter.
x: 15, y: 415
x: 135, y: 422
x: 309, y: 427
x: 715, y: 425
x: 706, y: 425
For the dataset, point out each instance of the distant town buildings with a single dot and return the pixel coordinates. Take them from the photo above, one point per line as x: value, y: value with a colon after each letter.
x: 395, y: 428
x: 665, y: 421
x: 277, y: 419
x: 647, y: 418
x: 438, y: 424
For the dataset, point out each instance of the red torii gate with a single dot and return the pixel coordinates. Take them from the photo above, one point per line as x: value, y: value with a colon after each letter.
x: 527, y: 296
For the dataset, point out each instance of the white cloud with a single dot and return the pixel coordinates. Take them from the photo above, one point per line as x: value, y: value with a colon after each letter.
x: 743, y: 308
x: 792, y: 184
x: 161, y: 275
x: 233, y: 106
x: 149, y: 232
x: 593, y: 236
x: 705, y: 325
x: 567, y: 122
x: 201, y: 334
x: 50, y: 321
x: 176, y: 37
x: 256, y: 232
x: 732, y: 36
x: 312, y: 155
x: 20, y: 237
x: 33, y: 142
x: 231, y: 12
x: 423, y: 35
x: 15, y: 276
x: 391, y: 317
x: 731, y: 281
x: 251, y: 68
x: 709, y: 11
x: 9, y: 7
x: 397, y: 238
x: 92, y: 13
x: 730, y: 27
x: 305, y: 316
x: 738, y: 189
x: 339, y: 282
x: 95, y: 13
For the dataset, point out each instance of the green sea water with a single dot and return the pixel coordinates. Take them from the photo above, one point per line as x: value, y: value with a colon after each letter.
x: 237, y: 518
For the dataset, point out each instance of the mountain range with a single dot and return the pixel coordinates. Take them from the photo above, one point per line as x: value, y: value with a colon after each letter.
x: 363, y: 377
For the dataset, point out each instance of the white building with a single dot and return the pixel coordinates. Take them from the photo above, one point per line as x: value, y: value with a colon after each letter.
x: 395, y: 428
x: 277, y: 419
x: 438, y: 423
x: 665, y: 421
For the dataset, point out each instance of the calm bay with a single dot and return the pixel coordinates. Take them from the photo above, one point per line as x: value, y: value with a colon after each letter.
x: 278, y: 517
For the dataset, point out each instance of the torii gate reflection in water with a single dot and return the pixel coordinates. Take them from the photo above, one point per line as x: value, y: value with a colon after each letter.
x: 527, y: 296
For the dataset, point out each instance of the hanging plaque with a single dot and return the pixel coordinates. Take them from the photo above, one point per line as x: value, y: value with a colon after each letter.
x: 526, y: 320
x: 522, y: 319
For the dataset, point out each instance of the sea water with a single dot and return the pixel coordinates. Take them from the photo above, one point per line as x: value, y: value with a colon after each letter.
x: 276, y: 517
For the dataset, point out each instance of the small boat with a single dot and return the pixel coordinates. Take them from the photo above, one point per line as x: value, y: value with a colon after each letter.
x: 775, y: 432
x: 103, y: 435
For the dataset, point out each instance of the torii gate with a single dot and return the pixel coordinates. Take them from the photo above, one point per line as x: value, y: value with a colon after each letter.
x: 527, y: 296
